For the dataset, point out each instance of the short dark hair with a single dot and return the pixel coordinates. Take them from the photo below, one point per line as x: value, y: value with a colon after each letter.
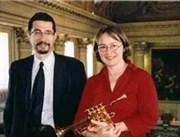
x: 113, y: 32
x: 42, y: 17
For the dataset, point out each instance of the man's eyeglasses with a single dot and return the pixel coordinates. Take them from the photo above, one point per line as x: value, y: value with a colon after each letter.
x: 38, y: 32
x: 104, y: 48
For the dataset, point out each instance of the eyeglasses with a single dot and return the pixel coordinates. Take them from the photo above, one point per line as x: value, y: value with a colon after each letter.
x: 38, y: 32
x: 104, y: 48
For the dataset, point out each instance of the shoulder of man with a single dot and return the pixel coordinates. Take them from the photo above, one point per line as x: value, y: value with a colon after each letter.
x: 22, y: 62
x: 67, y: 59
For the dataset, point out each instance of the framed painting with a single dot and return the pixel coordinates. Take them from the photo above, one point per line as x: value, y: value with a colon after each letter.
x: 166, y: 73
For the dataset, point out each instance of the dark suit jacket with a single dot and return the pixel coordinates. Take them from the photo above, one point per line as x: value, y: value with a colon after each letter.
x: 69, y: 80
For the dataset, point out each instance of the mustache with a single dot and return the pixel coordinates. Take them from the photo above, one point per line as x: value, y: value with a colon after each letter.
x: 42, y: 42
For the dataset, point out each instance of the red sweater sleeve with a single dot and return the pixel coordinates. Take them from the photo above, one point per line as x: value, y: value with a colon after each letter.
x: 147, y: 114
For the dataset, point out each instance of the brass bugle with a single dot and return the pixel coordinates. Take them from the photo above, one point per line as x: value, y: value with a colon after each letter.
x: 98, y: 113
x: 60, y: 132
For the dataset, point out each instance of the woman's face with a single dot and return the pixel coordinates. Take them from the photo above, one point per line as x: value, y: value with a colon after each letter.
x: 110, y: 50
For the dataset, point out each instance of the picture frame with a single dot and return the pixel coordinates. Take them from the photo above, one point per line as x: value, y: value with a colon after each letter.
x: 166, y: 73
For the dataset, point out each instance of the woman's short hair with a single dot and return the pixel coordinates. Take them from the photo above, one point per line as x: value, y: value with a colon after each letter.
x: 114, y: 33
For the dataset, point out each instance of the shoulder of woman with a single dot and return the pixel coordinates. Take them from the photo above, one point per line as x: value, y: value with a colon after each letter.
x: 137, y: 70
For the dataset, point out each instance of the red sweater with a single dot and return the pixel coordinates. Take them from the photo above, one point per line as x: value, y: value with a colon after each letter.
x: 139, y: 110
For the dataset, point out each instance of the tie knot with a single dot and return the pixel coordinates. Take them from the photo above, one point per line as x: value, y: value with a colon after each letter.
x: 41, y: 64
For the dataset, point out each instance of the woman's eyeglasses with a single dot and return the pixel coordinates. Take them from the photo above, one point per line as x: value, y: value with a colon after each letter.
x: 104, y: 48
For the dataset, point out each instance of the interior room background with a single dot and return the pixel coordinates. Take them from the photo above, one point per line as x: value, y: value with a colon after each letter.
x: 153, y: 29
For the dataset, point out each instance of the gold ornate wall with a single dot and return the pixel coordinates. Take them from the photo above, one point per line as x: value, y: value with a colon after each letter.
x: 72, y: 23
x: 77, y: 24
x: 151, y: 35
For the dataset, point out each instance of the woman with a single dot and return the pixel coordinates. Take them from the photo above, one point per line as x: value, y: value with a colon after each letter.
x: 136, y: 111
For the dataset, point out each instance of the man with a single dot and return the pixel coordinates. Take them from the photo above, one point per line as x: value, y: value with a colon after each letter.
x: 62, y: 81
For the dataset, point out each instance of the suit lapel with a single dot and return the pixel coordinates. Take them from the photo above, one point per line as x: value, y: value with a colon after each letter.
x: 29, y: 76
x: 60, y: 80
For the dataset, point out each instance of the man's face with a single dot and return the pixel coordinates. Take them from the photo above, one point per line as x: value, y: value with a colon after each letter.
x: 42, y: 37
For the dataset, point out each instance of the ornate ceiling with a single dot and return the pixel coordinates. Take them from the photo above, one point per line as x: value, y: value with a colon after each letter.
x: 143, y: 11
x: 132, y: 11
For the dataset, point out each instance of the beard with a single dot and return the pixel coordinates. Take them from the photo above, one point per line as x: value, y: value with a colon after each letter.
x: 41, y: 51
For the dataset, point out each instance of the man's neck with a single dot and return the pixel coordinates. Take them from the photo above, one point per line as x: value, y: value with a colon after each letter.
x: 42, y: 57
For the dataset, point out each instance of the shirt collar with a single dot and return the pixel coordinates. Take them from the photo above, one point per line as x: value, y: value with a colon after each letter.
x: 48, y: 62
x: 130, y: 68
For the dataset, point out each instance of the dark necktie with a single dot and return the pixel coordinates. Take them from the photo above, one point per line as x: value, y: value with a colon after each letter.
x: 37, y: 96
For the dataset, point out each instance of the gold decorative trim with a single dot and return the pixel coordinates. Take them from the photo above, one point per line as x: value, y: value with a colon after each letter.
x: 75, y: 11
x: 141, y: 45
x: 150, y: 25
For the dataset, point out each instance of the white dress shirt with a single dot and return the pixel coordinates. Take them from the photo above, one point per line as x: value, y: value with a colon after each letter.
x: 47, y: 111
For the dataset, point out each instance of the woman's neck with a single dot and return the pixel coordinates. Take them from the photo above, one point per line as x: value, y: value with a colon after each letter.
x: 117, y: 70
x: 114, y: 74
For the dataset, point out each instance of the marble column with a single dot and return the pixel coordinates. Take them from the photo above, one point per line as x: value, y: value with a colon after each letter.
x: 24, y: 46
x: 59, y: 44
x: 140, y: 49
x: 82, y: 44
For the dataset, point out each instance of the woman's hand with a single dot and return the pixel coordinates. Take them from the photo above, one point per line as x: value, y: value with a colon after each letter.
x: 121, y: 126
x: 101, y: 129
